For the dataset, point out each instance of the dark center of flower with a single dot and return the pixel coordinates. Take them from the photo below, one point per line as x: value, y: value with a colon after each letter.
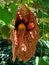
x: 22, y: 25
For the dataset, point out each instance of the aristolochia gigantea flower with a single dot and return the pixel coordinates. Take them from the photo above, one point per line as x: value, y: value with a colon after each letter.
x: 25, y: 35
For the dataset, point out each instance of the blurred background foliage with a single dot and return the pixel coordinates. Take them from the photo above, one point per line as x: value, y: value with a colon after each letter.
x: 8, y: 10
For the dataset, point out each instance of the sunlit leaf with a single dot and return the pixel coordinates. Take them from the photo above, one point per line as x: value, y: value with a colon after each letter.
x: 2, y: 23
x: 46, y: 59
x: 45, y: 42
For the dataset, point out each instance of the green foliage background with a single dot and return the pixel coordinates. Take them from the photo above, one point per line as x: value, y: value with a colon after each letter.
x: 8, y: 9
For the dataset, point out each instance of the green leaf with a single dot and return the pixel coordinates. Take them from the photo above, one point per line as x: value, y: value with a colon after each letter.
x: 5, y: 31
x: 46, y: 59
x: 42, y: 62
x: 11, y: 27
x: 42, y: 13
x: 6, y: 0
x: 45, y: 42
x: 13, y: 8
x: 5, y: 15
x: 2, y: 23
x: 39, y: 14
x: 44, y: 3
x: 44, y: 25
x: 2, y: 5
